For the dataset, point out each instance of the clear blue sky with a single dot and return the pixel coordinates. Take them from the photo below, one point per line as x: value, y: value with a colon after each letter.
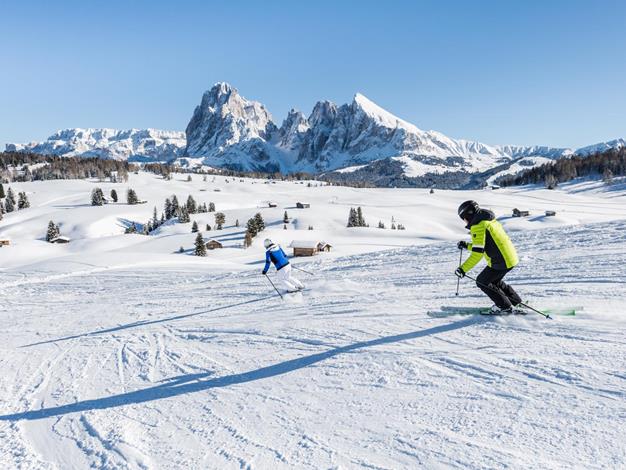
x: 524, y: 72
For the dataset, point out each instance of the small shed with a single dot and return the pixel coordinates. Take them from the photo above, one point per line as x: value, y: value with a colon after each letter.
x: 519, y: 213
x: 304, y: 247
x: 303, y: 205
x: 550, y: 213
x: 213, y: 244
x: 4, y: 242
x: 60, y: 239
x: 323, y: 246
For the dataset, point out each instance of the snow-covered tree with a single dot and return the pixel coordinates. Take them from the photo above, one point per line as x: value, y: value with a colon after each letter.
x: 113, y: 195
x: 155, y: 218
x: 237, y: 223
x: 9, y: 203
x: 183, y: 216
x: 607, y: 176
x: 352, y: 218
x: 191, y: 205
x: 1, y: 210
x: 131, y: 229
x: 2, y: 195
x: 200, y: 246
x: 211, y: 207
x: 97, y: 197
x: 189, y: 178
x: 169, y: 212
x: 251, y: 227
x: 220, y: 219
x: 286, y: 218
x: 175, y: 205
x: 359, y: 217
x: 194, y: 227
x: 208, y: 228
x: 381, y: 224
x: 22, y: 201
x: 131, y: 197
x: 260, y: 223
x: 52, y: 232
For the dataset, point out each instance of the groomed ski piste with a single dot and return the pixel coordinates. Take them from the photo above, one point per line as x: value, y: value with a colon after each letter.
x: 117, y: 352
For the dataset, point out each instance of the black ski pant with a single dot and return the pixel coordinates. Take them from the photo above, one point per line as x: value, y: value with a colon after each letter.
x: 491, y: 283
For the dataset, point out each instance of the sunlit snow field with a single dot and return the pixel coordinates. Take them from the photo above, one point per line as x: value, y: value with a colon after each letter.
x: 116, y: 351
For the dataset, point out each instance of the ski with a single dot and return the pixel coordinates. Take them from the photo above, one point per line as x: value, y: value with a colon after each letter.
x: 448, y: 311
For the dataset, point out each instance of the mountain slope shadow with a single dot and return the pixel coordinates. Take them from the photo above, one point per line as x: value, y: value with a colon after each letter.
x: 182, y: 385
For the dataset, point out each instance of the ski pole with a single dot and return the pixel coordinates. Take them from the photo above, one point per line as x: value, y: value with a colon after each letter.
x: 277, y: 291
x: 458, y: 279
x: 304, y: 271
x: 521, y: 303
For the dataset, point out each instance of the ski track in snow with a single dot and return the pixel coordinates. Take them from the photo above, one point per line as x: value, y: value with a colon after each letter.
x: 163, y: 369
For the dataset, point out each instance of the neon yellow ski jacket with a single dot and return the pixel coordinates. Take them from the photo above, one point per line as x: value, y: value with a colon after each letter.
x: 491, y: 241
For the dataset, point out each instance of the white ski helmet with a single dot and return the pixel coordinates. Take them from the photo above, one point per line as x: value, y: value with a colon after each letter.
x: 267, y: 243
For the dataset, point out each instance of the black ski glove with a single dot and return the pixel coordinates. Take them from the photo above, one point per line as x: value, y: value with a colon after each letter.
x: 459, y: 273
x: 264, y: 273
x: 462, y: 245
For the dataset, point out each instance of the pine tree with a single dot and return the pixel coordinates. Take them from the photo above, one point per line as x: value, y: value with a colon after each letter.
x: 9, y: 203
x: 169, y: 213
x: 285, y: 218
x: 131, y: 229
x: 131, y: 197
x: 183, y: 216
x: 53, y: 231
x: 208, y: 228
x: 23, y: 202
x: 252, y: 228
x: 359, y: 217
x: 191, y: 205
x: 2, y: 195
x: 194, y: 227
x: 175, y: 206
x: 97, y: 197
x: 114, y: 195
x: 220, y: 219
x: 247, y: 241
x: 352, y: 218
x: 381, y: 224
x: 260, y: 223
x: 607, y: 176
x: 211, y: 207
x: 284, y: 226
x: 200, y: 246
x: 1, y: 210
x: 188, y: 178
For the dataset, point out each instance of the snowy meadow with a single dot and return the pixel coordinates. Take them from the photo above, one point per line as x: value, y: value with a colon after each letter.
x: 120, y: 350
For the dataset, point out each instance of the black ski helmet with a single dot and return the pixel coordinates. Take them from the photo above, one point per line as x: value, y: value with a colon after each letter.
x: 468, y: 209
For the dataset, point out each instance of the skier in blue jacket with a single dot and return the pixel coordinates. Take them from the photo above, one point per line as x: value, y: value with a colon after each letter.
x: 275, y: 254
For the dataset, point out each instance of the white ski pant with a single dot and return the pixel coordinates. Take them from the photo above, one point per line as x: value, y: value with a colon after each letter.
x: 286, y: 281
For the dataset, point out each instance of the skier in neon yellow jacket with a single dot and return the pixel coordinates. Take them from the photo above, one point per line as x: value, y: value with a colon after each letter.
x: 489, y: 241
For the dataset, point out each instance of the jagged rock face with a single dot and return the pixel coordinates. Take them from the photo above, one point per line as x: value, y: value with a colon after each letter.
x: 133, y: 144
x: 291, y: 134
x: 225, y: 125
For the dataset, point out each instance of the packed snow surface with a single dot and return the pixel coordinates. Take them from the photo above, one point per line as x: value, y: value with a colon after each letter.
x: 116, y: 351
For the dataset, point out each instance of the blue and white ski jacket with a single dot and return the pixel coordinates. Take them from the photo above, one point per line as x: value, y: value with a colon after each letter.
x: 276, y: 255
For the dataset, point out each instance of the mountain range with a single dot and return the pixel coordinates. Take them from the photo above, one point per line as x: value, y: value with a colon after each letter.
x: 356, y: 142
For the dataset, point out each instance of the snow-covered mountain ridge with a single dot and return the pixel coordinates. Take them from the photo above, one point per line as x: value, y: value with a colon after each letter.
x: 361, y: 139
x: 132, y: 144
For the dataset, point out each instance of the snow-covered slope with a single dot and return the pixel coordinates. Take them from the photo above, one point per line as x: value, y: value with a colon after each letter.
x: 133, y: 144
x: 118, y: 352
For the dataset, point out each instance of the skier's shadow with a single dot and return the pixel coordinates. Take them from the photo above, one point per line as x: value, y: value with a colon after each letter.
x: 194, y: 382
